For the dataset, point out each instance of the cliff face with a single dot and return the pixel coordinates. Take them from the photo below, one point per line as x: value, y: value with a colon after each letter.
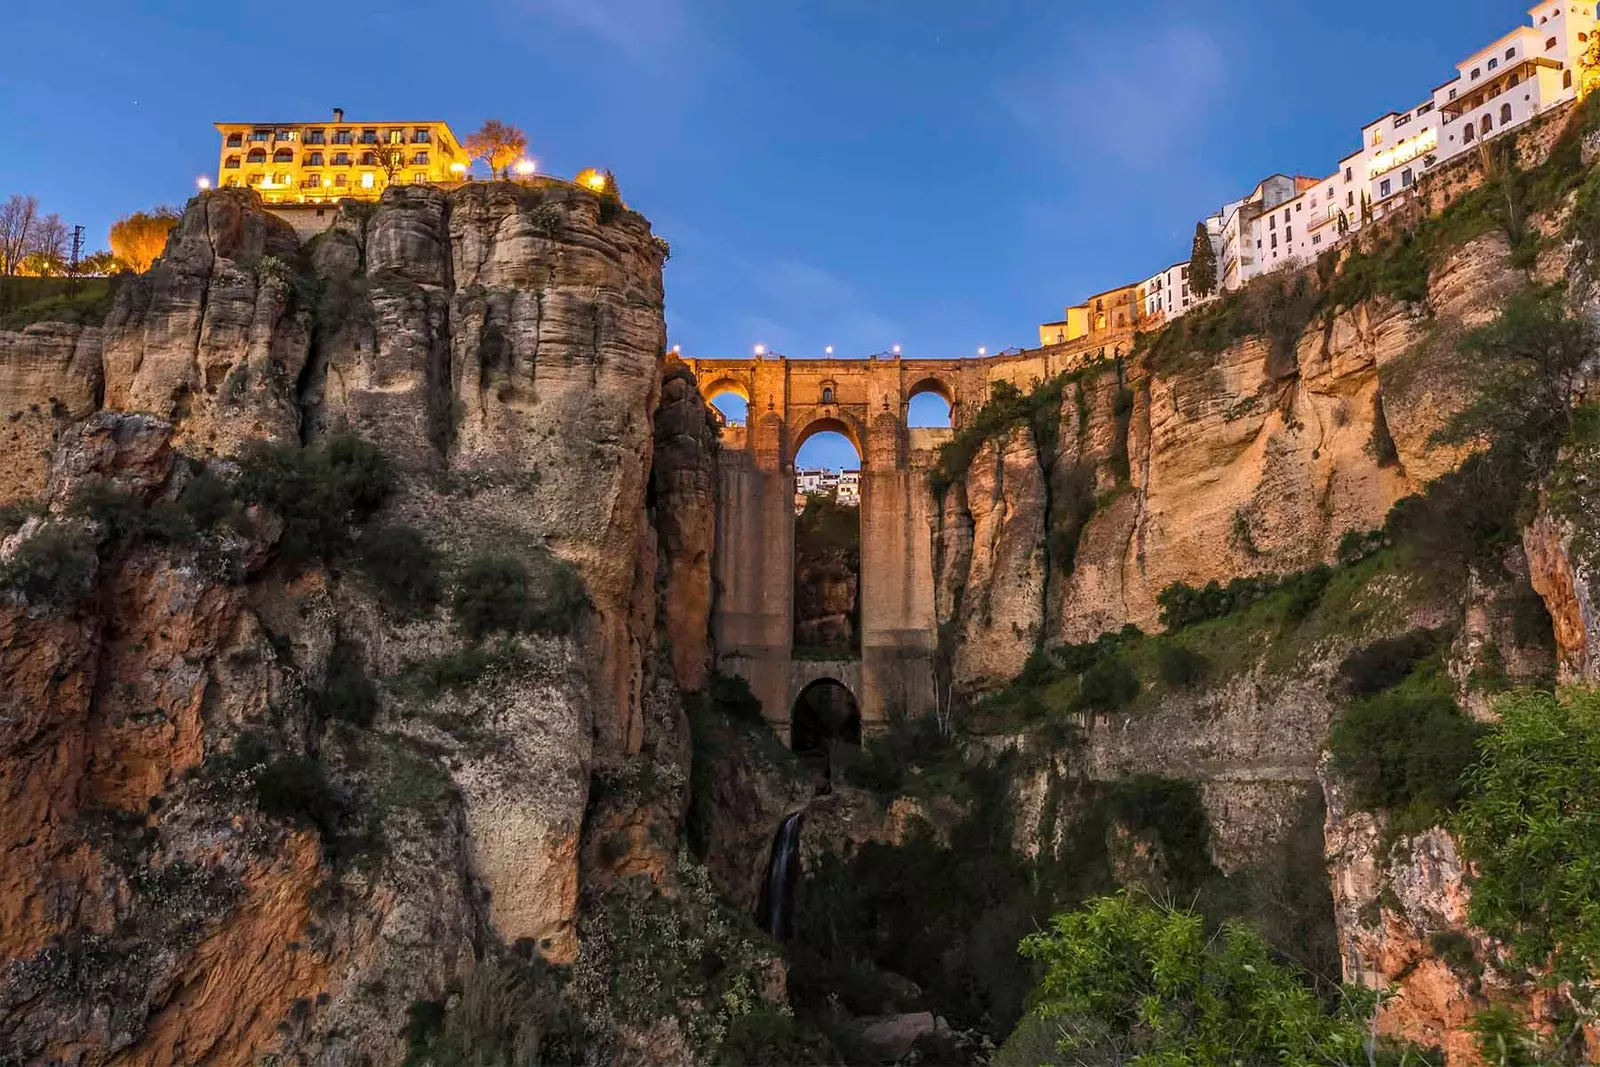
x: 502, y: 346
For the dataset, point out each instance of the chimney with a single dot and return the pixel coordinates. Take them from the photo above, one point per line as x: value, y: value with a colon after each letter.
x: 338, y: 114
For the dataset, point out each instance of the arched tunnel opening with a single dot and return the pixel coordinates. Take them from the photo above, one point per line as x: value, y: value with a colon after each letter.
x: 827, y: 546
x: 825, y: 728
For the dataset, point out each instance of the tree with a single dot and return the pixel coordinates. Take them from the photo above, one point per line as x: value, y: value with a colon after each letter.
x: 1531, y: 826
x: 137, y: 240
x: 1202, y: 263
x: 1127, y: 981
x: 498, y: 144
x: 390, y: 156
x: 97, y: 263
x: 19, y: 217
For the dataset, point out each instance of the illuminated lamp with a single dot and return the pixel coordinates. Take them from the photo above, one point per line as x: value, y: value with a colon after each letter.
x: 982, y: 351
x: 458, y: 168
x: 592, y: 179
x: 202, y: 183
x: 525, y: 167
x: 828, y: 351
x: 761, y: 350
x: 897, y: 350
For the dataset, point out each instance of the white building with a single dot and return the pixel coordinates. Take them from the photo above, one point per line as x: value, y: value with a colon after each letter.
x: 1166, y: 295
x: 850, y: 488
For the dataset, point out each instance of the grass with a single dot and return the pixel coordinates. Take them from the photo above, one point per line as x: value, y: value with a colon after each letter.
x: 25, y: 301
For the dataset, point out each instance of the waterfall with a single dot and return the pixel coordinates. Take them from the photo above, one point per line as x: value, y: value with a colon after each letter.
x: 777, y: 896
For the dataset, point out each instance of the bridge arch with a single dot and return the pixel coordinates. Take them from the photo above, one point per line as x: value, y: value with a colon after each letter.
x: 845, y: 427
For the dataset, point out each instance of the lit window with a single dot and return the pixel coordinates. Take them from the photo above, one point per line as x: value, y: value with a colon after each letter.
x: 419, y: 177
x: 255, y: 179
x: 280, y: 178
x: 397, y: 137
x: 340, y: 180
x: 366, y: 180
x: 314, y: 181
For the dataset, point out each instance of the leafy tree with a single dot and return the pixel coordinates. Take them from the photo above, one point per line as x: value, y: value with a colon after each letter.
x: 1129, y: 981
x: 389, y: 157
x: 498, y: 144
x: 137, y: 240
x: 1202, y: 263
x: 96, y: 263
x: 1531, y: 826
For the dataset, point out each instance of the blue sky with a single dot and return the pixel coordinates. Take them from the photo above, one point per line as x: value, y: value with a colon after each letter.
x: 859, y: 173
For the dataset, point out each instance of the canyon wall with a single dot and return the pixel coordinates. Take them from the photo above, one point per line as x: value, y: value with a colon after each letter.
x: 502, y: 346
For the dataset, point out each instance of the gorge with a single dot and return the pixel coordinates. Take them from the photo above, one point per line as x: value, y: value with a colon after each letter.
x: 398, y: 659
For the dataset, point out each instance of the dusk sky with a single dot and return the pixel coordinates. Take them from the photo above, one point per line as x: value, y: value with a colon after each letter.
x: 936, y: 174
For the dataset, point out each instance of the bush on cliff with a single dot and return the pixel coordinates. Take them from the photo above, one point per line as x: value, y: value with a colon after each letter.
x: 1130, y: 981
x: 1403, y: 751
x: 402, y: 567
x: 506, y: 594
x: 321, y: 492
x: 1531, y: 827
x: 54, y: 567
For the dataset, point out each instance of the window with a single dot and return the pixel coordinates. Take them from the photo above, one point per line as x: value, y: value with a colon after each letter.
x: 316, y: 137
x: 231, y: 183
x: 369, y: 136
x: 1405, y: 178
x: 235, y: 140
x: 419, y: 177
x: 260, y: 135
x: 1486, y: 125
x: 314, y: 159
x: 1383, y: 187
x: 397, y: 137
x: 367, y: 180
x: 1511, y: 53
x: 314, y: 181
x: 1286, y: 216
x: 282, y: 135
x: 1583, y: 37
x: 232, y: 163
x: 254, y: 179
x: 1377, y: 136
x: 1515, y: 79
x: 1467, y: 134
x: 1350, y: 199
x: 1493, y: 63
x: 1347, y: 174
x: 280, y: 178
x: 1288, y: 233
x: 1317, y: 239
x: 1476, y: 72
x: 1452, y: 94
x: 1549, y: 44
x: 1272, y: 222
x: 283, y: 155
x: 341, y: 137
x: 341, y: 159
x: 339, y: 180
x: 257, y: 155
x: 1297, y: 207
x: 827, y: 396
x: 1274, y: 240
x: 421, y: 136
x: 420, y: 159
x: 1505, y: 114
x: 369, y: 159
x: 1330, y: 194
x: 1566, y: 80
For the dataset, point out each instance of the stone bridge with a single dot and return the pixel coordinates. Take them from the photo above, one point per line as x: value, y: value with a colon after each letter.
x: 865, y: 400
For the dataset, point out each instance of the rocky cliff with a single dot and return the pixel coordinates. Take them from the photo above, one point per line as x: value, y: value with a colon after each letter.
x: 263, y: 794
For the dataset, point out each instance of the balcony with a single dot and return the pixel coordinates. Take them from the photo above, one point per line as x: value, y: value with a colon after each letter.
x: 1509, y: 78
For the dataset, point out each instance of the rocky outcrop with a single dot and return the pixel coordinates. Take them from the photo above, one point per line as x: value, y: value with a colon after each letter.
x: 683, y: 482
x: 214, y: 336
x: 49, y: 380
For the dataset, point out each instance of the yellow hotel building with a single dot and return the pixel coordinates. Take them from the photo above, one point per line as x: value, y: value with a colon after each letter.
x: 297, y: 163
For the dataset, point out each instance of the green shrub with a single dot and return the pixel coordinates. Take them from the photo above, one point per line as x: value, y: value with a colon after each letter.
x: 1183, y: 605
x: 1132, y: 981
x: 1180, y: 666
x: 1385, y: 663
x: 402, y: 567
x: 347, y: 694
x: 504, y: 594
x: 506, y: 1014
x: 454, y: 670
x: 766, y: 1036
x: 321, y: 492
x: 1531, y: 827
x: 1357, y: 545
x: 1107, y: 685
x: 207, y: 501
x: 1303, y: 590
x: 55, y: 567
x: 129, y: 519
x: 297, y: 788
x: 1404, y: 750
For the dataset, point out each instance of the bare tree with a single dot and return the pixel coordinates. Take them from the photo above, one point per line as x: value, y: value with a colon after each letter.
x: 50, y: 239
x: 19, y: 217
x: 390, y: 157
x: 498, y: 144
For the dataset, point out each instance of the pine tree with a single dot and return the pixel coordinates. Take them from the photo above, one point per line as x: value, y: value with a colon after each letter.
x: 1202, y: 263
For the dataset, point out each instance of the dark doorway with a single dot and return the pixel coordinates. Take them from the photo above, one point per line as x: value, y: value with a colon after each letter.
x: 826, y: 724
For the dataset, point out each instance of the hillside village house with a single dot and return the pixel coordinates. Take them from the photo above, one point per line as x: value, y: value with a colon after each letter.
x: 315, y: 163
x: 1288, y: 221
